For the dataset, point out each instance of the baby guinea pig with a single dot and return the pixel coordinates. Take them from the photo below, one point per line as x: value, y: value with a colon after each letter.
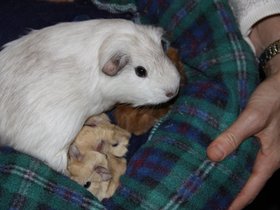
x: 96, y: 156
x: 53, y: 79
x: 90, y: 170
x: 101, y: 135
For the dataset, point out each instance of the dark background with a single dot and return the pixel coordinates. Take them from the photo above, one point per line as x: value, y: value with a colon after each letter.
x: 17, y: 17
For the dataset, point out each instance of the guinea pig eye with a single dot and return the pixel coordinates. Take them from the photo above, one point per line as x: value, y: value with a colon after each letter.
x: 140, y: 71
x: 87, y: 184
x: 164, y: 45
x: 115, y: 145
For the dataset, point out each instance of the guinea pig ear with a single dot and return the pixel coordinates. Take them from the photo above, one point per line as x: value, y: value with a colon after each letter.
x: 115, y: 64
x: 160, y: 31
x: 97, y: 120
x: 75, y: 153
x: 104, y: 173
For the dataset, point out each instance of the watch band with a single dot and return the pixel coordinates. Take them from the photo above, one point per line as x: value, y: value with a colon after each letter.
x: 272, y: 50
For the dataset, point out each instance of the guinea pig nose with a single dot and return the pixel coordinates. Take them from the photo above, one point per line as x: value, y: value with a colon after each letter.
x: 169, y: 94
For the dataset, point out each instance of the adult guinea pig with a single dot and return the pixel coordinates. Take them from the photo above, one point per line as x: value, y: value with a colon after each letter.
x: 53, y: 79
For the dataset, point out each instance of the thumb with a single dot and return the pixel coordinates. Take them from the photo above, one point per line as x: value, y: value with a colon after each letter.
x: 246, y: 125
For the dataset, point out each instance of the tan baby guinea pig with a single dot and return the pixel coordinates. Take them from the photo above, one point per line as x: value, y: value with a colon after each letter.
x: 96, y: 157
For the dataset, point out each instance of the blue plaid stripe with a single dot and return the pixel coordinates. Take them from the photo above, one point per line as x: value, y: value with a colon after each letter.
x: 152, y: 164
x: 190, y: 186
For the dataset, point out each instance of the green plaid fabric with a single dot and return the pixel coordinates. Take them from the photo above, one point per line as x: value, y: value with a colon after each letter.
x: 171, y: 171
x: 27, y: 183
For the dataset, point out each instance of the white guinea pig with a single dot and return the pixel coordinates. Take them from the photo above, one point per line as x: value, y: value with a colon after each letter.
x: 53, y: 79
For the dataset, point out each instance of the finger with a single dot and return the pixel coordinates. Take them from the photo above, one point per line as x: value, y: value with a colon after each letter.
x: 245, y: 126
x: 262, y: 171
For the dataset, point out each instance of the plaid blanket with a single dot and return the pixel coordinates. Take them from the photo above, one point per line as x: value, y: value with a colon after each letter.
x: 171, y: 170
x: 27, y: 183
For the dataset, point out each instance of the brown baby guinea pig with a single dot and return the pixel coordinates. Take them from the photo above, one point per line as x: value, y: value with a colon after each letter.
x: 138, y: 120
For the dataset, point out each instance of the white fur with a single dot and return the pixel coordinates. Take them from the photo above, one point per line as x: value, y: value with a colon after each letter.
x: 51, y: 81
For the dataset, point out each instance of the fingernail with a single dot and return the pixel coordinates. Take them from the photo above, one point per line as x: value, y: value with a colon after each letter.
x: 217, y: 153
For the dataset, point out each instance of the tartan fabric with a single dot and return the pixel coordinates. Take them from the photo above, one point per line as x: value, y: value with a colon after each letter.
x: 27, y: 183
x: 171, y: 170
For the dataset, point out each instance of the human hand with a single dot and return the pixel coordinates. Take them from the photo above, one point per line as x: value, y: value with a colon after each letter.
x: 261, y: 118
